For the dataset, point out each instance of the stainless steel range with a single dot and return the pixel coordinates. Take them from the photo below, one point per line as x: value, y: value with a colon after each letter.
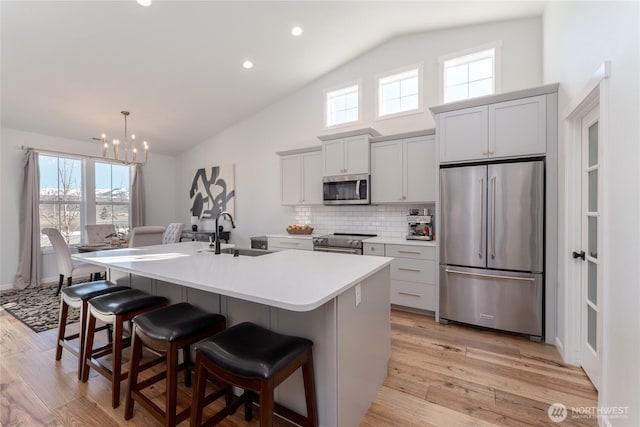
x: 345, y: 243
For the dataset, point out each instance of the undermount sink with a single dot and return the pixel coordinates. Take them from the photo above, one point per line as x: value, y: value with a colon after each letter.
x: 246, y: 252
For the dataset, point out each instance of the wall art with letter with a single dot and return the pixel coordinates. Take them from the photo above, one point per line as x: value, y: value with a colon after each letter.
x: 213, y: 191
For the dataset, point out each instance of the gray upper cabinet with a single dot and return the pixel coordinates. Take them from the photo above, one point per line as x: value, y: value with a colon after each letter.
x: 347, y: 153
x: 346, y: 156
x: 503, y: 129
x: 301, y: 178
x: 403, y: 170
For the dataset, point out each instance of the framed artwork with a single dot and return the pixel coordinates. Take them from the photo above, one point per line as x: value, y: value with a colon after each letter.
x: 213, y: 190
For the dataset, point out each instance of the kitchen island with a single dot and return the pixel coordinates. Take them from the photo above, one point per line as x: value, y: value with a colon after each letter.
x: 340, y: 302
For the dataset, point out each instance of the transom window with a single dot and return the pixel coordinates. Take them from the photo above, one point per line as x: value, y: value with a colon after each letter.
x: 61, y: 197
x: 343, y: 105
x: 470, y: 75
x: 399, y: 92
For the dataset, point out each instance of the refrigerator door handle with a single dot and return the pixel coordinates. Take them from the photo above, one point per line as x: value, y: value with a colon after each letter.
x: 493, y: 217
x: 490, y: 276
x: 481, y: 217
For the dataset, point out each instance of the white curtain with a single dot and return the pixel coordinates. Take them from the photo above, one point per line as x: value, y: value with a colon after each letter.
x: 137, y: 198
x: 28, y: 274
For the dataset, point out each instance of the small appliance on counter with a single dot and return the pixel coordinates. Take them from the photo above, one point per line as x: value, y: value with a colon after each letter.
x: 259, y: 242
x: 420, y: 227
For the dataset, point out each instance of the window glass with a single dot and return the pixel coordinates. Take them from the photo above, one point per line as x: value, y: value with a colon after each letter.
x: 342, y: 105
x: 112, y: 195
x: 469, y: 76
x: 61, y: 197
x: 399, y: 92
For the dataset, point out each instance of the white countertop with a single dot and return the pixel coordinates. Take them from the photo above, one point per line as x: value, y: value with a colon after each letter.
x: 292, y: 280
x: 400, y: 241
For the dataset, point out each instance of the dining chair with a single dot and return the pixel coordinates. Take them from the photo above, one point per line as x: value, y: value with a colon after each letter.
x: 172, y: 233
x: 67, y: 267
x: 146, y: 235
x: 97, y: 233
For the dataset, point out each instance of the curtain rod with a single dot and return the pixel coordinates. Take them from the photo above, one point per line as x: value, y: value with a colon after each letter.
x: 84, y: 156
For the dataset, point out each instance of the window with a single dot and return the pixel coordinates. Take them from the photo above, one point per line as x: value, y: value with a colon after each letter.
x: 471, y: 75
x: 399, y: 92
x: 61, y: 200
x: 343, y: 105
x: 112, y: 194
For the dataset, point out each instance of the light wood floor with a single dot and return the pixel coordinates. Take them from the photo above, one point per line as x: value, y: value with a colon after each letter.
x: 438, y: 376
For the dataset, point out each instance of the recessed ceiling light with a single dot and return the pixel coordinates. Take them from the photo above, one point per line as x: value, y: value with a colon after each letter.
x: 296, y: 31
x: 247, y: 64
x: 144, y: 2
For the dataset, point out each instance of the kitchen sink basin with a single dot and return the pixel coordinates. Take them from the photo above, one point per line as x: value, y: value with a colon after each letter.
x: 246, y: 252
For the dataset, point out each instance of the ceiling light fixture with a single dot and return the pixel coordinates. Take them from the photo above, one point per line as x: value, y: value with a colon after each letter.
x: 247, y: 64
x: 144, y: 3
x: 129, y: 146
x: 296, y: 31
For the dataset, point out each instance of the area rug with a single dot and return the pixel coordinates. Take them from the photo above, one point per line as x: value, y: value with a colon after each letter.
x: 38, y: 307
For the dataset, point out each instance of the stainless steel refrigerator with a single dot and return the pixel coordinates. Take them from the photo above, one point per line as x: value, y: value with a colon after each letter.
x: 492, y: 245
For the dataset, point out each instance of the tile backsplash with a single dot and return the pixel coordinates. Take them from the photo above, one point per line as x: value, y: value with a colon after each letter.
x: 385, y: 221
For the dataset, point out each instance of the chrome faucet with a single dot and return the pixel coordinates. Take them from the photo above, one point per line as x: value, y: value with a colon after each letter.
x: 233, y: 225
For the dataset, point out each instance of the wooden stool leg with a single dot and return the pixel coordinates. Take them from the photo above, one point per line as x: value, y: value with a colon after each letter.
x: 266, y: 404
x: 116, y: 369
x: 62, y: 326
x: 172, y: 386
x: 88, y: 347
x: 136, y: 355
x: 310, y: 391
x: 197, y: 399
x: 83, y: 336
x: 186, y: 356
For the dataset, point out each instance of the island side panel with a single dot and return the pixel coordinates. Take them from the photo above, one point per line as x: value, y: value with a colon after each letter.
x: 364, y: 346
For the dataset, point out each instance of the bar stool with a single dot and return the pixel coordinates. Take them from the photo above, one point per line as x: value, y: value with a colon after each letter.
x: 115, y: 309
x: 77, y: 296
x: 166, y: 331
x: 257, y: 360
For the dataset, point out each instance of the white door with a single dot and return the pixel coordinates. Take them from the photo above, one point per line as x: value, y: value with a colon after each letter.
x: 589, y: 255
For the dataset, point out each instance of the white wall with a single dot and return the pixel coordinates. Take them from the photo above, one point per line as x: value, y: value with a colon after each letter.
x: 159, y: 179
x: 297, y: 120
x: 578, y: 38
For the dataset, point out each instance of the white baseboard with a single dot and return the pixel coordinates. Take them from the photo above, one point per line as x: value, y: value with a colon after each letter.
x: 46, y: 280
x: 6, y: 287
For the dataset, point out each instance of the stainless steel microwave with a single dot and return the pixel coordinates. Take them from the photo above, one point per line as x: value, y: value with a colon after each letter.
x: 346, y: 190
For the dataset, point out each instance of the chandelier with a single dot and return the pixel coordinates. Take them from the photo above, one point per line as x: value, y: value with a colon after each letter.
x: 129, y: 149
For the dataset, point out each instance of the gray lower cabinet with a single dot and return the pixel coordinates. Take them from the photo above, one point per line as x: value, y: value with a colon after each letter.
x: 413, y: 273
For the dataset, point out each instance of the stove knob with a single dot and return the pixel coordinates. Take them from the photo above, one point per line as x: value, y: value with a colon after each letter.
x: 350, y: 242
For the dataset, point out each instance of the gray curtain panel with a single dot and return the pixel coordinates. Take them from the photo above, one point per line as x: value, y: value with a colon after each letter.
x: 28, y: 274
x: 137, y: 198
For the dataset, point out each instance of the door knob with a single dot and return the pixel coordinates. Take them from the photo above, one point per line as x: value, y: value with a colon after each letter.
x: 578, y: 255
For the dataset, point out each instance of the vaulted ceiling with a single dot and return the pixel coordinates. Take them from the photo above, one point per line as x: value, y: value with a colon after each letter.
x: 69, y: 67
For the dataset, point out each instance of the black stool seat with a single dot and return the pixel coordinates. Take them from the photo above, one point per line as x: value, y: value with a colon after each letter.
x: 176, y: 321
x: 250, y: 350
x: 125, y: 301
x: 88, y: 290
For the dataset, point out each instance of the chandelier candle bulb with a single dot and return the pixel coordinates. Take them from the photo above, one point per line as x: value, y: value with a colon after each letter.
x: 146, y: 149
x: 116, y: 143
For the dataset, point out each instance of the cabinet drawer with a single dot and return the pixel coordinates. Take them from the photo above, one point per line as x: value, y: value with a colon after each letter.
x: 277, y: 243
x: 413, y: 270
x: 373, y: 249
x: 410, y: 251
x: 415, y: 295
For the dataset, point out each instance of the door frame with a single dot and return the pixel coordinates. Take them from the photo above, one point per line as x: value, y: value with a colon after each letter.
x: 595, y: 94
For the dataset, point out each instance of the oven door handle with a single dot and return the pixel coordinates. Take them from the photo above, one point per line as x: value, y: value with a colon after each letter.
x: 340, y: 250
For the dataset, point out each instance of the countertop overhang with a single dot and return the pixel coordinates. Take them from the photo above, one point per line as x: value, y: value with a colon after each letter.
x: 291, y: 279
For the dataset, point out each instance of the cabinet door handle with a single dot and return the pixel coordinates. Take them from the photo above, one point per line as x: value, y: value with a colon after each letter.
x: 409, y: 252
x: 290, y: 243
x: 417, y: 270
x: 409, y: 294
